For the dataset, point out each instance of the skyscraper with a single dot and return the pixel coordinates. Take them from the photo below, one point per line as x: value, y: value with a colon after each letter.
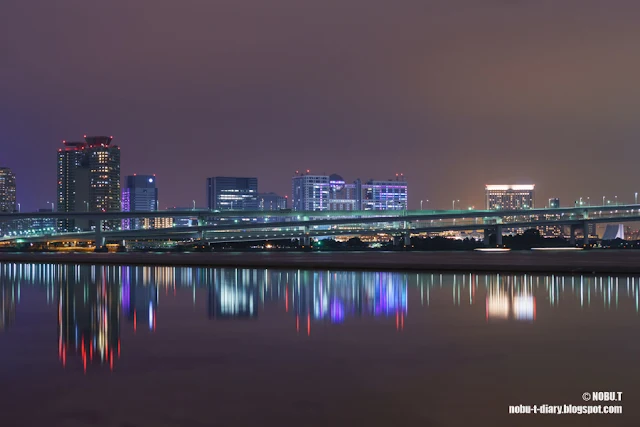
x: 139, y: 194
x: 332, y: 193
x: 509, y: 197
x: 384, y: 195
x: 88, y: 180
x: 232, y: 193
x: 7, y: 190
x: 310, y: 192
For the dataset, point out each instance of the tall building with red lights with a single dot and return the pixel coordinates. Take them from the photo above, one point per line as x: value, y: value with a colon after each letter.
x: 7, y: 190
x: 88, y: 180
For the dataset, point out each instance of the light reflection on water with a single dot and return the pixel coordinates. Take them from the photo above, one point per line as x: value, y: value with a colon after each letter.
x: 95, y: 302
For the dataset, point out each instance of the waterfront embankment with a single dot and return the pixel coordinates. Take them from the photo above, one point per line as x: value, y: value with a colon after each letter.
x: 585, y: 262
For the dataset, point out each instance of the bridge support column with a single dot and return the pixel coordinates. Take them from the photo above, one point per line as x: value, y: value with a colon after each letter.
x: 100, y: 240
x: 486, y: 237
x: 498, y: 235
x: 306, y: 239
x: 397, y: 240
x: 585, y: 234
x: 572, y: 234
x: 407, y: 239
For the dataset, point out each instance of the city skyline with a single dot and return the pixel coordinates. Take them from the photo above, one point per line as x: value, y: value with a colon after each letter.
x: 249, y: 90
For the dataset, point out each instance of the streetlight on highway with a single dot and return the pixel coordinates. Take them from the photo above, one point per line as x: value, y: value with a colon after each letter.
x: 454, y: 204
x: 420, y: 204
x: 636, y: 198
x: 602, y: 200
x: 616, y: 200
x: 52, y: 208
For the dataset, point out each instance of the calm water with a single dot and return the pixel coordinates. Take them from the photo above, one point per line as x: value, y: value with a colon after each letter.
x: 164, y: 346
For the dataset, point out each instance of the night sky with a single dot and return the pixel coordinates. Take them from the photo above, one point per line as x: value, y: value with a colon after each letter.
x: 454, y: 94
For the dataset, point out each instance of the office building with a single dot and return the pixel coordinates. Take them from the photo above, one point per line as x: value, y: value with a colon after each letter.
x: 7, y: 190
x: 42, y: 225
x: 509, y: 197
x: 232, y: 193
x: 271, y: 202
x: 88, y: 180
x: 554, y: 203
x: 310, y: 192
x: 384, y: 195
x: 139, y: 194
x: 332, y: 193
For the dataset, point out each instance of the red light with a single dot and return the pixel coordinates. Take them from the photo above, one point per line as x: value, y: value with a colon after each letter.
x: 307, y: 170
x: 85, y: 136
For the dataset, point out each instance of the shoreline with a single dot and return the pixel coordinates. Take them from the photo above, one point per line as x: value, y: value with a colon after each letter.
x: 580, y: 262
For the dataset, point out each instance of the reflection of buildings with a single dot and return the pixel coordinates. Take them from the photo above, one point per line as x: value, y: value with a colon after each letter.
x: 88, y: 316
x: 139, y: 302
x: 339, y: 295
x: 8, y: 299
x: 503, y: 303
x: 228, y: 301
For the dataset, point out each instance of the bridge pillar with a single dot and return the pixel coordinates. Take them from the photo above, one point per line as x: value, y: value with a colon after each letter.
x: 486, y: 236
x: 407, y: 239
x: 397, y: 241
x: 306, y: 239
x: 200, y: 221
x: 572, y: 234
x: 585, y: 234
x: 498, y: 235
x: 100, y: 240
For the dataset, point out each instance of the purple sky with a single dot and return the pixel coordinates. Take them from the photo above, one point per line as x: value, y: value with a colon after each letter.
x: 455, y: 94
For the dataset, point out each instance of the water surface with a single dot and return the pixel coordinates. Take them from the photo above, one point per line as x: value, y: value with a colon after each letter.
x: 165, y: 346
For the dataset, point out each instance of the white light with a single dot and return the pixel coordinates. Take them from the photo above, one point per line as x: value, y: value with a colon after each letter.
x: 150, y: 179
x: 509, y: 187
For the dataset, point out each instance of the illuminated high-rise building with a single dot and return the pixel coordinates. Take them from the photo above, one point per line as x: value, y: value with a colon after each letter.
x: 7, y: 190
x: 88, y: 180
x: 509, y: 197
x: 332, y: 193
x: 310, y: 192
x: 232, y: 193
x: 139, y: 194
x: 385, y: 195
